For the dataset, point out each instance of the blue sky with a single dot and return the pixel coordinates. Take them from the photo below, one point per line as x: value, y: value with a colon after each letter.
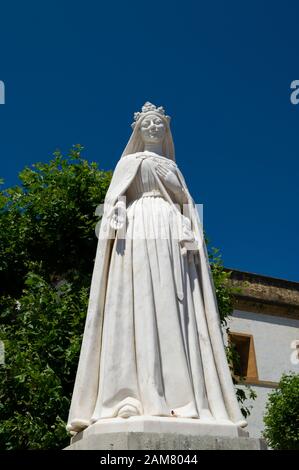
x: 76, y: 71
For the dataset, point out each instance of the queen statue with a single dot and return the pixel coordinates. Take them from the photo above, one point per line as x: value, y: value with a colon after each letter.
x: 152, y: 344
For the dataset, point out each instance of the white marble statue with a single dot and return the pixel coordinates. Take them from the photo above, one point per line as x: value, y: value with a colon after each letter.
x: 152, y: 343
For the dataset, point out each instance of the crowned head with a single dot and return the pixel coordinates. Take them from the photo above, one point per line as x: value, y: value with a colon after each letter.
x: 149, y: 108
x: 151, y: 126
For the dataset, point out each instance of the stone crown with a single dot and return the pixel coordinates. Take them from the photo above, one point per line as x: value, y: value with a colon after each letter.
x: 148, y: 107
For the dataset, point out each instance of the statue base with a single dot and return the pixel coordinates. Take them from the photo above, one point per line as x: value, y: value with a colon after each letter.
x: 157, y: 433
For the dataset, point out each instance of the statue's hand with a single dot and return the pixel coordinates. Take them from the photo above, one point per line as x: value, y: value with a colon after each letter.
x: 169, y: 177
x: 118, y: 215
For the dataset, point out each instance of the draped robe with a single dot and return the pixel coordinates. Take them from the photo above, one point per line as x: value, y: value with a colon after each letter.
x: 161, y: 349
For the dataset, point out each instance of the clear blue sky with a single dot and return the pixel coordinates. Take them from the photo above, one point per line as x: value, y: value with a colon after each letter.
x: 75, y: 71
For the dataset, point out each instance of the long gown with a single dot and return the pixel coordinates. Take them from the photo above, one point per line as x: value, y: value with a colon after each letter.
x: 151, y: 357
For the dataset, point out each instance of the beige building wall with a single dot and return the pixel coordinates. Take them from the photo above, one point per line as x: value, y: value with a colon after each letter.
x: 267, y: 311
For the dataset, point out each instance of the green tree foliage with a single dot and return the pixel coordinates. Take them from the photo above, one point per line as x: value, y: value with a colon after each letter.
x: 225, y: 294
x: 282, y: 414
x: 50, y: 217
x: 42, y: 342
x: 47, y: 249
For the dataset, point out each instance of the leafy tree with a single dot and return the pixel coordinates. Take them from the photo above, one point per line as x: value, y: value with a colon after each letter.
x: 42, y: 344
x: 47, y: 248
x: 282, y: 414
x: 50, y: 217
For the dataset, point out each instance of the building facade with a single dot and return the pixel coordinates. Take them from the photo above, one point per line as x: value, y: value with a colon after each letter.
x: 264, y: 328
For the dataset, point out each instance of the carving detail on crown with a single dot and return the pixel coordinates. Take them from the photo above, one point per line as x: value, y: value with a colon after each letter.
x: 149, y: 107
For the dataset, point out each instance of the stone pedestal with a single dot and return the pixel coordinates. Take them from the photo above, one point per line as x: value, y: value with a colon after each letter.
x: 150, y: 433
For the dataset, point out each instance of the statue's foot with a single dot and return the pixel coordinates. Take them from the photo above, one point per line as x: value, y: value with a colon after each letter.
x: 242, y: 423
x: 127, y: 410
x: 77, y: 426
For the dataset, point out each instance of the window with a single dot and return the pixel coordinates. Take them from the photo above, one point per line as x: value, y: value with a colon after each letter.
x: 244, y: 345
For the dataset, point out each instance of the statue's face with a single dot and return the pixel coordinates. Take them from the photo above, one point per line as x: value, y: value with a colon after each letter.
x: 152, y: 129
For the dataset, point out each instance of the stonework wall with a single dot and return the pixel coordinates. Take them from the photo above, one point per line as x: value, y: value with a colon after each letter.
x: 267, y: 295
